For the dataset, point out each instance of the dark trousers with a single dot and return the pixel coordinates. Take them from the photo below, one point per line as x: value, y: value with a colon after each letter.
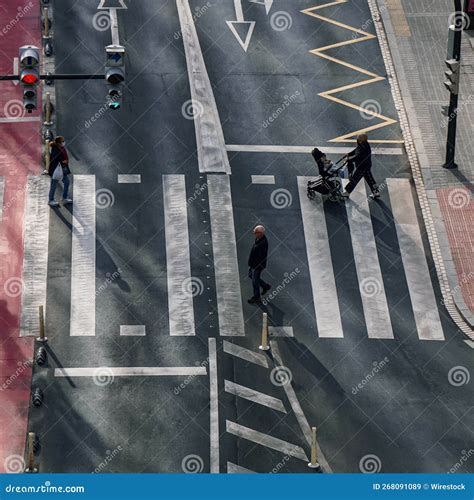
x: 358, y: 175
x: 257, y: 282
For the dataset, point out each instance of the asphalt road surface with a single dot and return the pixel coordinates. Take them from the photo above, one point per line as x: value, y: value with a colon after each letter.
x: 147, y: 281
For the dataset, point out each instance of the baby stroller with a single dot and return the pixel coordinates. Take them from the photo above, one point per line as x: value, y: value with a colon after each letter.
x: 329, y: 181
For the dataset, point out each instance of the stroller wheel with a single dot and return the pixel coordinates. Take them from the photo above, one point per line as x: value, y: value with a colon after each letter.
x: 334, y: 197
x: 310, y: 194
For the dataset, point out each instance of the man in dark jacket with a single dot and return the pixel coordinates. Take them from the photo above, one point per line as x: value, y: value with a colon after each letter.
x: 362, y: 158
x: 257, y: 263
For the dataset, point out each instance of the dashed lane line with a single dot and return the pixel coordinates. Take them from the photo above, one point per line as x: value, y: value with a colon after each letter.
x: 129, y: 178
x: 132, y: 330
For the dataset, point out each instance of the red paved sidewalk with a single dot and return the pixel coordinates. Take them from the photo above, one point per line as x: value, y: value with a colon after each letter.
x: 458, y: 214
x: 20, y: 155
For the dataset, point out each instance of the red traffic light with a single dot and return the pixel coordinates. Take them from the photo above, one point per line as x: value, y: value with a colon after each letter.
x: 29, y: 77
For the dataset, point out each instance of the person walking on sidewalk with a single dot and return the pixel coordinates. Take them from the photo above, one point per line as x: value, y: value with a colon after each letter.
x: 59, y: 170
x: 361, y: 157
x: 257, y: 263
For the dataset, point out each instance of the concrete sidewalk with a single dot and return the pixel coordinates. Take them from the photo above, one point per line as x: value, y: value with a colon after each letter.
x: 416, y: 32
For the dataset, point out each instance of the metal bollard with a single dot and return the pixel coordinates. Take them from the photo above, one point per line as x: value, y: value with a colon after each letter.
x: 31, y: 453
x: 45, y: 22
x: 264, y: 346
x: 47, y: 110
x: 314, y: 451
x: 37, y: 398
x: 42, y: 337
x: 41, y: 356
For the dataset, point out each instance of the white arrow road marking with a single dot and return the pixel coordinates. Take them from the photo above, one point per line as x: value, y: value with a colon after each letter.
x: 103, y: 6
x: 268, y: 4
x: 240, y: 22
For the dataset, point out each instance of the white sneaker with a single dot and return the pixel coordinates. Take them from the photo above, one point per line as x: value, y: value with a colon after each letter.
x: 66, y: 201
x: 53, y: 203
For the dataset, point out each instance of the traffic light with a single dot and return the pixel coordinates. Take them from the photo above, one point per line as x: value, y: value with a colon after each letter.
x: 115, y: 75
x: 452, y: 82
x: 29, y: 75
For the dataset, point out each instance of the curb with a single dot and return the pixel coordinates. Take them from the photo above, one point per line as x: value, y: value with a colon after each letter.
x: 417, y: 159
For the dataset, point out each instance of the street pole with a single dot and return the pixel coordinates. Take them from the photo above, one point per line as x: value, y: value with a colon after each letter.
x: 454, y: 96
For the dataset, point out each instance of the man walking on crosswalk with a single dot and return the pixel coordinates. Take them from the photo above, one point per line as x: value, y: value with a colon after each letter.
x: 257, y: 263
x: 362, y: 158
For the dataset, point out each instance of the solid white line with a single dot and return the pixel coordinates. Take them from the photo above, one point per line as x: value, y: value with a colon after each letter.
x: 369, y: 274
x: 254, y: 396
x: 21, y: 119
x: 237, y: 469
x: 129, y: 178
x: 178, y: 260
x: 420, y: 287
x: 323, y: 282
x: 306, y: 149
x: 35, y: 257
x: 131, y: 371
x: 263, y: 179
x: 114, y: 28
x: 297, y: 410
x: 212, y: 155
x: 132, y: 330
x: 280, y: 331
x: 214, y: 407
x: 470, y: 343
x: 245, y: 354
x: 284, y: 447
x: 229, y: 298
x: 2, y: 190
x: 83, y: 257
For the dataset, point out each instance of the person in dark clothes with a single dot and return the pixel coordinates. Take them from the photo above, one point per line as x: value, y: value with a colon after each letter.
x: 257, y: 263
x: 59, y: 156
x: 361, y: 158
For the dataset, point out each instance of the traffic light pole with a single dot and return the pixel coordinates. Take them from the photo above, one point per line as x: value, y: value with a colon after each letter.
x: 454, y: 99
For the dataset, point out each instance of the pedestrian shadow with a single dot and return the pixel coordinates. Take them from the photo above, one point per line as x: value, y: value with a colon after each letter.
x: 49, y: 350
x: 63, y: 219
x: 107, y: 266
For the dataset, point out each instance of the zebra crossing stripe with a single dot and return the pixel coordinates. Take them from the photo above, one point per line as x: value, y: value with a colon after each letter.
x: 237, y: 469
x: 326, y: 302
x: 245, y: 354
x: 371, y: 286
x: 178, y: 261
x: 254, y: 396
x: 420, y: 287
x: 83, y: 257
x: 35, y: 258
x: 280, y: 331
x: 214, y: 407
x: 262, y: 439
x: 229, y: 299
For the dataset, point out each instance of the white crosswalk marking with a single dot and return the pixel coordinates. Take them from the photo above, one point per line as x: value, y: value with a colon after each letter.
x: 371, y: 286
x: 178, y: 261
x: 245, y: 354
x: 280, y: 331
x: 35, y: 258
x: 83, y: 257
x: 132, y: 330
x: 417, y: 273
x: 237, y: 469
x: 326, y: 302
x: 284, y: 447
x: 214, y: 407
x: 229, y: 299
x: 254, y: 396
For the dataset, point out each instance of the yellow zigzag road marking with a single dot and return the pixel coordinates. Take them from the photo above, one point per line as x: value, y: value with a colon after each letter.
x: 373, y: 78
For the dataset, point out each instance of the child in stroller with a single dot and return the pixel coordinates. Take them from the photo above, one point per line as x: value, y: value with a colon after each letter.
x: 329, y: 182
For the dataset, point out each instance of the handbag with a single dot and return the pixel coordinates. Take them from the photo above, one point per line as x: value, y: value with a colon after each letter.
x: 58, y: 173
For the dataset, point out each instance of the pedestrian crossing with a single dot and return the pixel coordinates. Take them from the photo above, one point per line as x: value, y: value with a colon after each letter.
x: 229, y: 266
